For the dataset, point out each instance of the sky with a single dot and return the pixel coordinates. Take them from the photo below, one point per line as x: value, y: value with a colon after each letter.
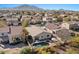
x: 74, y: 7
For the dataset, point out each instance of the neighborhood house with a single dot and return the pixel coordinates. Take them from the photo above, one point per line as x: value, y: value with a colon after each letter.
x: 10, y: 34
x: 13, y: 21
x: 38, y: 33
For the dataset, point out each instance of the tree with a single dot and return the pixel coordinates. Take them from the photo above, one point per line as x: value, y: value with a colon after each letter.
x: 55, y: 15
x: 25, y: 23
x: 24, y: 33
x: 59, y: 19
x: 66, y: 19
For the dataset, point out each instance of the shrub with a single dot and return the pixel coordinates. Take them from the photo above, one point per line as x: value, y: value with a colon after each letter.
x: 26, y: 51
x: 44, y: 50
x: 71, y: 51
x: 2, y: 52
x: 74, y: 41
x: 59, y: 19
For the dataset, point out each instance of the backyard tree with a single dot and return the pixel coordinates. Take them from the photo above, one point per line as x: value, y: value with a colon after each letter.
x: 59, y: 19
x: 24, y: 33
x: 25, y: 23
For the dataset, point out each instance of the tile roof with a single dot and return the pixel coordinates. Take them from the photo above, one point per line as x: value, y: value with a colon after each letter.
x: 34, y: 30
x: 52, y: 26
x: 4, y: 29
x: 16, y: 30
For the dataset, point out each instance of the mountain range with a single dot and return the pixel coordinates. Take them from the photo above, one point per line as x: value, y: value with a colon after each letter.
x: 24, y: 7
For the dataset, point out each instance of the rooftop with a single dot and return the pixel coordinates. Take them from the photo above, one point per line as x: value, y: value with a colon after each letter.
x: 34, y: 30
x: 16, y: 30
x: 4, y: 29
x: 52, y: 26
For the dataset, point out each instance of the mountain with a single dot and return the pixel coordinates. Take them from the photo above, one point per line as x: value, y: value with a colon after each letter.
x: 28, y: 7
x: 24, y: 7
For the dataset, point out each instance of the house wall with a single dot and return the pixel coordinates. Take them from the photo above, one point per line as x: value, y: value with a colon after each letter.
x: 16, y: 23
x: 63, y: 34
x: 74, y: 27
x: 44, y: 35
x: 50, y: 31
x: 12, y: 39
x: 65, y: 25
x: 13, y: 21
x: 4, y: 37
x: 3, y: 33
x: 44, y: 19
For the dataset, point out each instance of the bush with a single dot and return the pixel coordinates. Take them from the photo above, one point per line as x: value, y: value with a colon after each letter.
x: 2, y: 52
x: 59, y: 19
x: 44, y: 50
x: 74, y: 42
x: 26, y: 51
x: 41, y: 50
x: 71, y: 51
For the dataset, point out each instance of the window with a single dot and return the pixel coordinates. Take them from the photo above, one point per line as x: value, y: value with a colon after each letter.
x: 17, y: 39
x: 2, y: 33
x: 47, y: 35
x: 41, y: 36
x: 29, y: 37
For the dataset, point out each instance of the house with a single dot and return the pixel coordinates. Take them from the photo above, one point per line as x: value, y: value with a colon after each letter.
x: 25, y: 17
x: 65, y: 25
x: 4, y: 31
x: 38, y: 33
x: 16, y: 15
x: 48, y: 19
x: 74, y: 26
x: 35, y: 20
x: 10, y: 34
x: 15, y: 34
x: 50, y: 13
x: 64, y: 34
x: 38, y: 14
x: 13, y: 21
x: 58, y: 31
x: 52, y: 26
